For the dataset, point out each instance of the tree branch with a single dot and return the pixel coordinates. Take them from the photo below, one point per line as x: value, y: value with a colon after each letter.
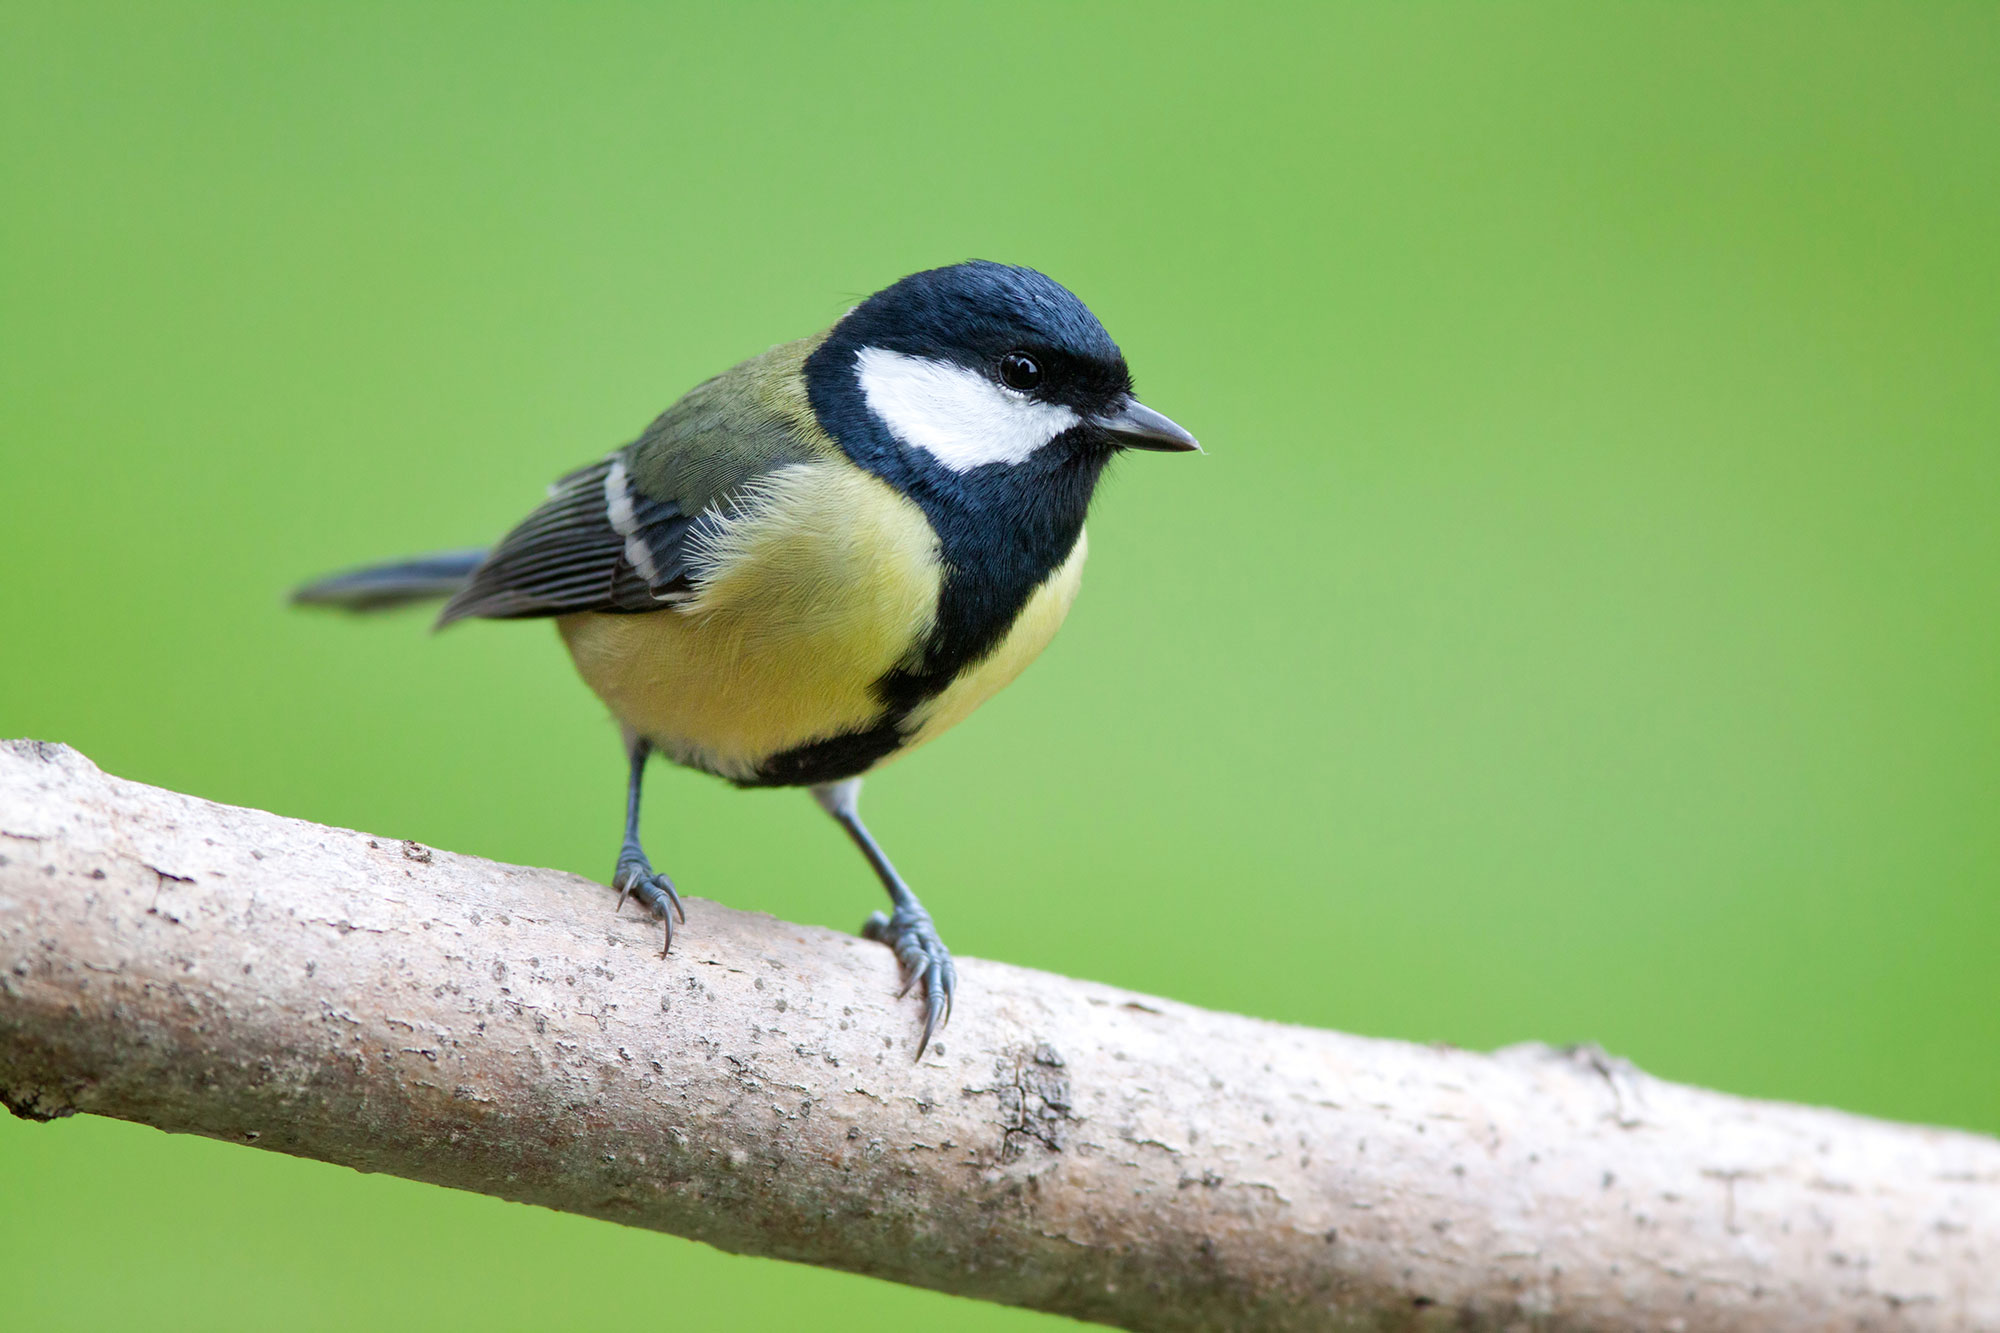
x: 1065, y: 1146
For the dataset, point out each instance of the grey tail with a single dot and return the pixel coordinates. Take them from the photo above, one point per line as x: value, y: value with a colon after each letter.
x: 423, y: 578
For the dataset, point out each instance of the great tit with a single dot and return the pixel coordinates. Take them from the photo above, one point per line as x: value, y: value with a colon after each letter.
x: 824, y: 557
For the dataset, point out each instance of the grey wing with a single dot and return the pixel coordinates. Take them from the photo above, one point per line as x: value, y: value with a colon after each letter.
x: 596, y: 544
x: 615, y: 536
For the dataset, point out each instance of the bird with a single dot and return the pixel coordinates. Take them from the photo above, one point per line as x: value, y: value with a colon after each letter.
x: 824, y: 557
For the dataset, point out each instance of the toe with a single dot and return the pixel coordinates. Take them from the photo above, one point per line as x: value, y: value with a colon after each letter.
x: 669, y: 898
x: 934, y: 1018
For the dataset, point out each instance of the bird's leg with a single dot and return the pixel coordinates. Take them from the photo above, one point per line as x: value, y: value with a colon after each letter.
x: 907, y: 929
x: 634, y: 876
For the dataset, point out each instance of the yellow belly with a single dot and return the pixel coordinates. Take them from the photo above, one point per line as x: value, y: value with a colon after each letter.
x: 823, y: 580
x: 821, y: 583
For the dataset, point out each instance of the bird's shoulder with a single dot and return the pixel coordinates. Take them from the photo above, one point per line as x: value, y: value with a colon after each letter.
x: 633, y: 531
x: 752, y: 419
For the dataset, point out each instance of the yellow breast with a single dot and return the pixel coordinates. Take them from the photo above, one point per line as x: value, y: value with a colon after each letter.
x: 822, y: 580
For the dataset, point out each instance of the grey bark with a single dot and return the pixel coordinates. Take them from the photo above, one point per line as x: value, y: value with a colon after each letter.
x: 1066, y: 1146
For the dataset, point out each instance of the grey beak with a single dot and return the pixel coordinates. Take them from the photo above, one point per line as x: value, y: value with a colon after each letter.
x: 1137, y: 426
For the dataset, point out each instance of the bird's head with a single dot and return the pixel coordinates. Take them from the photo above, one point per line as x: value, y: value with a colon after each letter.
x: 979, y: 366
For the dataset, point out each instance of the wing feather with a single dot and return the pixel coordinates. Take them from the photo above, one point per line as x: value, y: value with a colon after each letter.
x: 614, y: 536
x: 569, y: 556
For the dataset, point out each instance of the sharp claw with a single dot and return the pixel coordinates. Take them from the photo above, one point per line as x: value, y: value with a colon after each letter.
x: 627, y: 878
x: 930, y: 1027
x: 934, y: 1018
x: 667, y: 885
x: 662, y: 885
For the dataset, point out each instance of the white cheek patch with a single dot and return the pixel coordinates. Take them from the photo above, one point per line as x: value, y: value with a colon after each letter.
x: 955, y: 415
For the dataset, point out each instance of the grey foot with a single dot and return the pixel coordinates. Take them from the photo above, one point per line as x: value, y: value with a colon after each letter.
x: 635, y: 878
x: 924, y: 960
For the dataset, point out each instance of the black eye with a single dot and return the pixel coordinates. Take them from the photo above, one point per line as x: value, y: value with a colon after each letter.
x: 1019, y: 371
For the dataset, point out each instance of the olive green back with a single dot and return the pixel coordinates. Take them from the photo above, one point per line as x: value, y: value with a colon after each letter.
x: 749, y: 420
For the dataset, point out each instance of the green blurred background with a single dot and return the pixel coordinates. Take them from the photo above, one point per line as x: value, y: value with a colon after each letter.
x: 1581, y: 627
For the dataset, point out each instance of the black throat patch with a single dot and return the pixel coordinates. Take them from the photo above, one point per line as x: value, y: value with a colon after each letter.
x: 1002, y: 529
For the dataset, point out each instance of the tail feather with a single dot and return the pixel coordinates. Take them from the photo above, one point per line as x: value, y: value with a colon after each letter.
x: 423, y: 578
